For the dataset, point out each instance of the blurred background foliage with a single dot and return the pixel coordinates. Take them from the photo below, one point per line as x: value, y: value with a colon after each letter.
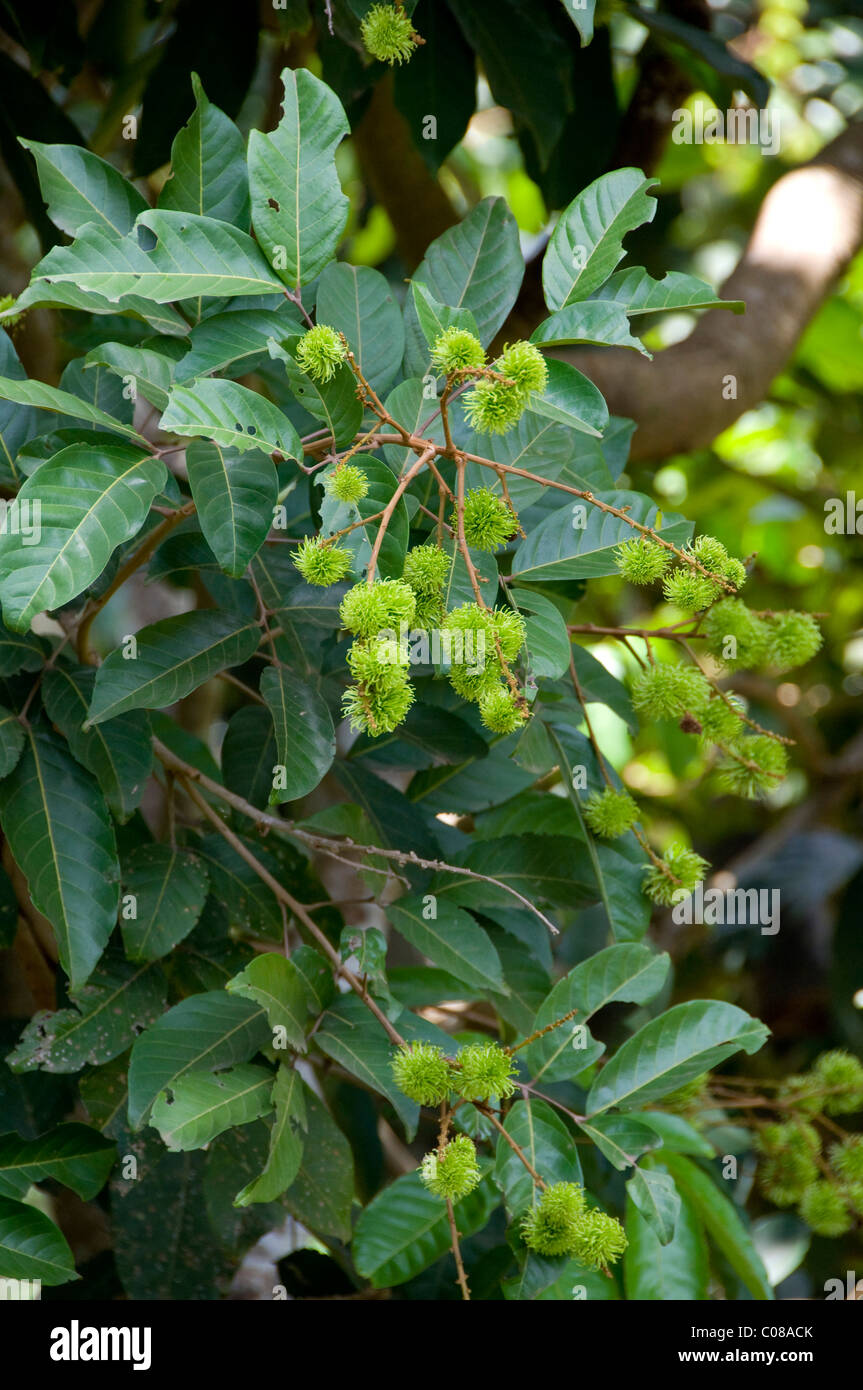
x: 523, y: 110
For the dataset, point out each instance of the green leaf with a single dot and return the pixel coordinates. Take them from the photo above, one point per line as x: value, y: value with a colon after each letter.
x: 118, y: 1001
x: 173, y: 658
x: 540, y: 446
x: 119, y: 753
x: 250, y: 903
x: 235, y: 495
x: 20, y: 652
x: 208, y: 166
x: 151, y: 371
x: 18, y: 423
x: 161, y: 318
x: 452, y: 940
x: 298, y: 208
x: 640, y: 293
x: 542, y: 868
x: 249, y: 754
x: 622, y: 1139
x: 230, y: 415
x: 658, y: 1200
x: 273, y: 982
x: 587, y: 243
x: 336, y: 515
x: 599, y: 686
x: 80, y: 188
x: 405, y: 1229
x: 548, y: 1145
x: 305, y: 738
x: 168, y: 887
x: 74, y: 1155
x: 32, y: 1247
x: 435, y: 318
x: 677, y: 1134
x: 592, y: 321
x: 618, y: 866
x: 193, y: 256
x: 581, y: 13
x: 42, y: 397
x: 286, y: 1141
x: 236, y: 341
x: 334, y: 402
x: 476, y: 265
x: 353, y: 1037
x: 11, y: 740
x: 571, y: 399
x: 85, y: 502
x: 322, y: 1194
x: 548, y: 644
x: 626, y: 973
x: 200, y: 1105
x: 577, y: 540
x: 357, y: 301
x: 676, y: 1271
x: 61, y: 837
x: 211, y: 1031
x: 721, y: 1221
x: 672, y: 1049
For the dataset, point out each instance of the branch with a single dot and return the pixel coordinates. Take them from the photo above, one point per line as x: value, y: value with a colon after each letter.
x: 809, y: 228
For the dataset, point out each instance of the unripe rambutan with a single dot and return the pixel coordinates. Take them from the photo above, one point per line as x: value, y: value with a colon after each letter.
x: 320, y: 352
x: 499, y: 711
x: 666, y: 692
x: 488, y: 521
x: 792, y: 640
x: 457, y: 348
x: 611, y: 813
x: 552, y: 1225
x: 642, y: 561
x: 484, y: 1070
x: 422, y: 1072
x: 455, y: 1172
x: 825, y: 1210
x: 684, y: 864
x: 765, y: 766
x: 322, y: 564
x: 347, y: 483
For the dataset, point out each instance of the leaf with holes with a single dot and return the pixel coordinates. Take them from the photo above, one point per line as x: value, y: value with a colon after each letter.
x: 230, y: 415
x: 194, y: 1109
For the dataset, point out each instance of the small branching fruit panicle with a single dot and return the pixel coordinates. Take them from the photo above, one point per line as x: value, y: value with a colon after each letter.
x: 320, y: 352
x: 423, y: 1073
x: 665, y: 691
x: 500, y: 711
x: 488, y: 521
x: 681, y: 868
x: 711, y: 553
x: 453, y: 1173
x: 689, y: 591
x: 484, y: 1071
x: 456, y: 349
x: 379, y: 701
x: 611, y: 813
x: 825, y: 1210
x: 759, y: 766
x: 347, y: 483
x: 551, y: 1226
x: 642, y: 561
x: 388, y: 34
x: 510, y: 630
x: 792, y: 639
x: 803, y: 1092
x: 367, y: 609
x: 322, y: 564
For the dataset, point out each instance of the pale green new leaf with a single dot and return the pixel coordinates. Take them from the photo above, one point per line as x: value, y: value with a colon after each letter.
x: 230, y: 415
x: 273, y: 982
x: 305, y: 738
x: 173, y: 658
x: 286, y: 1141
x: 298, y: 207
x: 235, y: 494
x: 202, y: 1104
x: 60, y: 835
x: 90, y: 501
x: 204, y: 1031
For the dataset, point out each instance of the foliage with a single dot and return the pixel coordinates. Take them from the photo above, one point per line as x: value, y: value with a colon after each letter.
x: 391, y: 526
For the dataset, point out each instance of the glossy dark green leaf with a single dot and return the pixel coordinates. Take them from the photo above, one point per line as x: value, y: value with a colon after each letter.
x: 32, y: 1247
x: 208, y: 173
x: 73, y: 1154
x: 119, y: 752
x: 235, y: 494
x: 164, y: 889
